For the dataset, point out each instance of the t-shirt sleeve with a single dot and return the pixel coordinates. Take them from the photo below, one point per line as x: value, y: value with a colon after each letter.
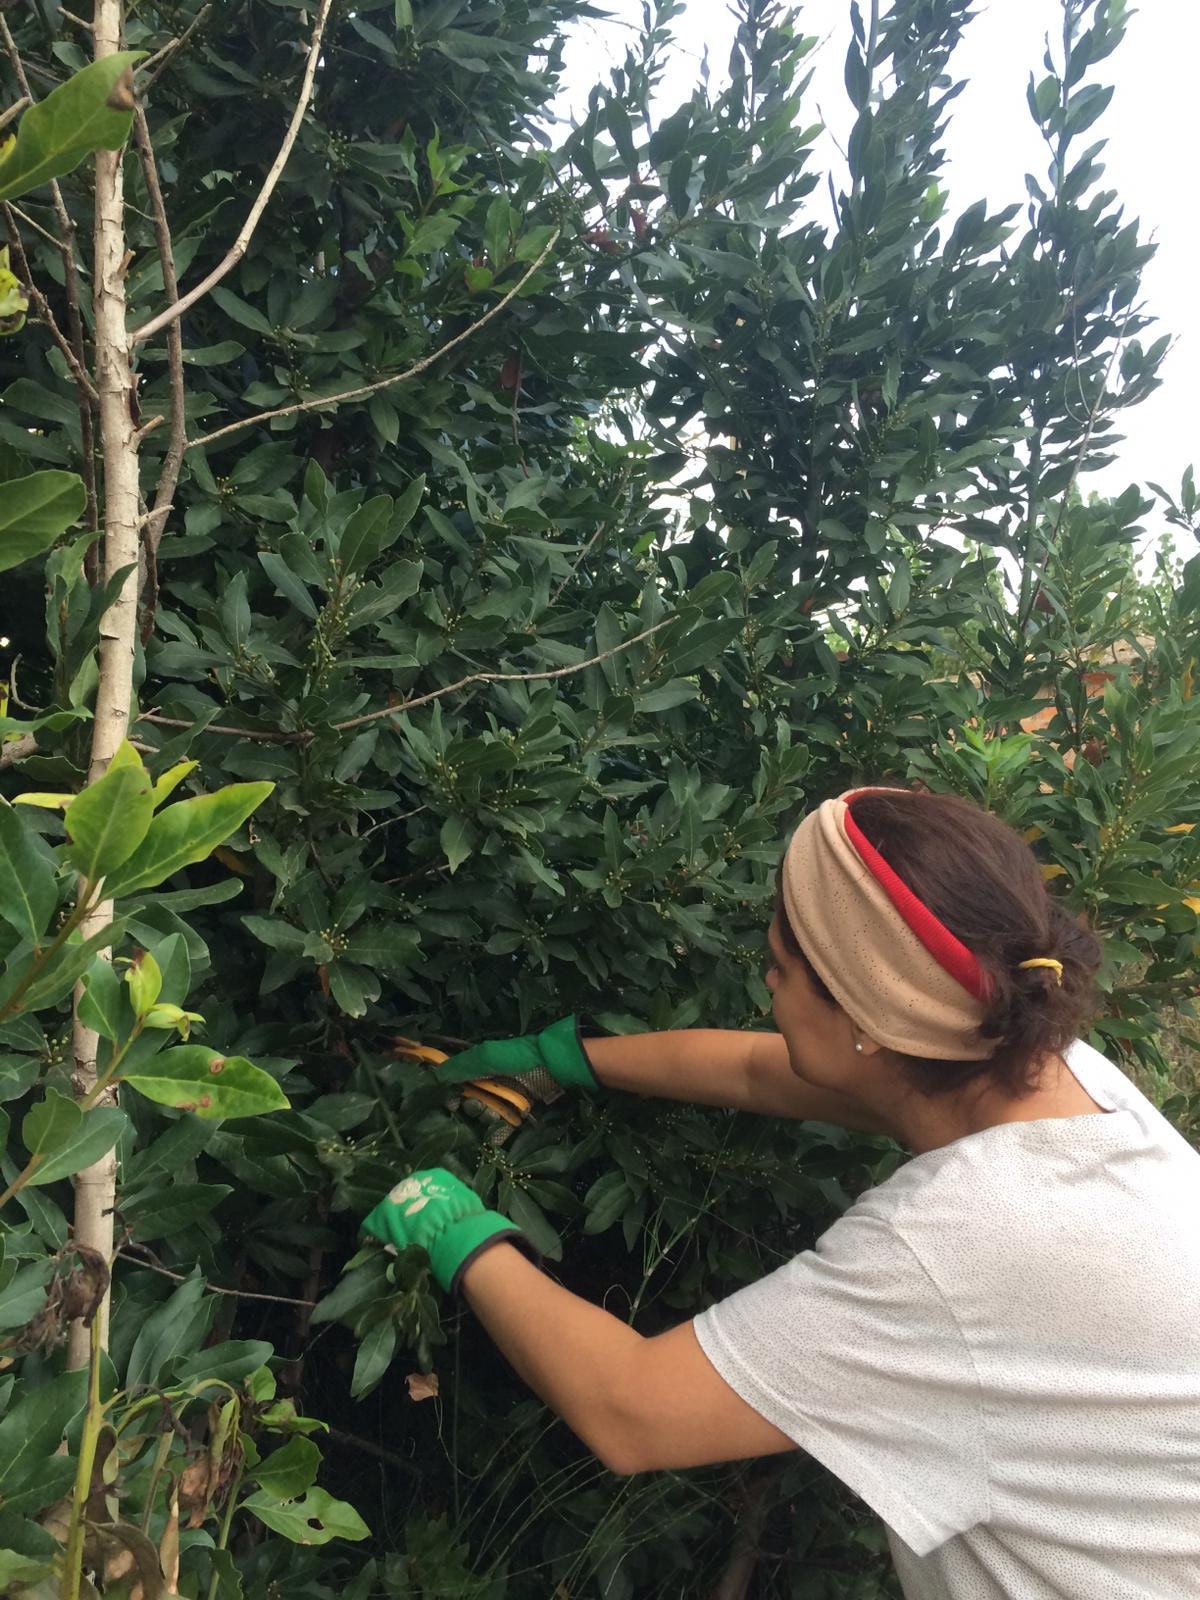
x: 851, y: 1350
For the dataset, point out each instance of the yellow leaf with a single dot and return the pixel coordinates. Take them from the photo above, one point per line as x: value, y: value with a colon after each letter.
x: 48, y: 802
x: 1180, y: 827
x: 422, y: 1385
x: 1031, y: 834
x: 1192, y: 902
x: 1053, y: 872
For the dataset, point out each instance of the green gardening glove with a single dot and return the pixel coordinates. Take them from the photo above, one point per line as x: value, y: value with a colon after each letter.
x: 544, y: 1062
x: 449, y: 1221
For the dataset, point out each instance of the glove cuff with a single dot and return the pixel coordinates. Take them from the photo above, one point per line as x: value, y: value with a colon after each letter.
x: 565, y: 1057
x: 455, y: 1247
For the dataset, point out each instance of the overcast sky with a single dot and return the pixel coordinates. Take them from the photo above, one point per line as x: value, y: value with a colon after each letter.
x: 1150, y: 159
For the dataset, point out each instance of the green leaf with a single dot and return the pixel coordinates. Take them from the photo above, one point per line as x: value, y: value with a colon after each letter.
x: 35, y: 511
x: 187, y: 832
x: 27, y: 891
x: 50, y: 1124
x: 27, y: 1551
x: 59, y: 976
x: 362, y: 538
x: 165, y: 786
x: 227, y: 1362
x: 191, y: 1077
x: 289, y: 1471
x: 177, y: 1326
x: 162, y: 1211
x: 103, y: 1006
x: 94, y: 1137
x: 456, y: 840
x: 92, y: 111
x: 667, y: 696
x: 374, y: 1356
x: 383, y: 947
x: 288, y: 584
x: 109, y: 819
x: 31, y: 1432
x: 316, y: 1519
x: 144, y: 980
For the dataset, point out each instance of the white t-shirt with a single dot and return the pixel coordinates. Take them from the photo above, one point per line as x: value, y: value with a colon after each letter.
x: 999, y: 1350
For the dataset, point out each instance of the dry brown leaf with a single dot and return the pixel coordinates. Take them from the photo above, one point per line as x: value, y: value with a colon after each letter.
x: 422, y: 1385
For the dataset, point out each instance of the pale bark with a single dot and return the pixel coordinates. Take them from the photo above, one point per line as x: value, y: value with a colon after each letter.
x: 95, y: 1187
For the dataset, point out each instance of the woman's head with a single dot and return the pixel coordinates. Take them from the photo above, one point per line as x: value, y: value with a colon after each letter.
x: 983, y: 889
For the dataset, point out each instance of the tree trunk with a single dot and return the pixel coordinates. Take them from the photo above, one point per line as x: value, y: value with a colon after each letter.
x: 95, y: 1187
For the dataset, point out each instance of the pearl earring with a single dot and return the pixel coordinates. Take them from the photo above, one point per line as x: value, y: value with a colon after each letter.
x: 858, y: 1047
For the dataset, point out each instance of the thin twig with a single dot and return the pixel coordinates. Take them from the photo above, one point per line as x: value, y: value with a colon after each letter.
x: 16, y: 750
x: 264, y: 736
x: 240, y: 245
x: 168, y: 475
x: 499, y: 677
x: 42, y: 311
x: 36, y: 226
x: 14, y: 110
x: 306, y: 735
x: 161, y: 59
x: 80, y: 22
x: 396, y: 377
x: 147, y: 1258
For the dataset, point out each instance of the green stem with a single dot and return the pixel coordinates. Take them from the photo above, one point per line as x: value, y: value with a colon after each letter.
x: 92, y: 1422
x: 226, y: 1523
x: 10, y: 1007
x: 165, y: 1440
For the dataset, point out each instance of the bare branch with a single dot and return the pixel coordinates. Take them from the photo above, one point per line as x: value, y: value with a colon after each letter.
x: 16, y: 750
x: 264, y: 736
x: 168, y: 475
x: 397, y: 377
x: 161, y: 59
x: 150, y: 1261
x: 30, y: 222
x: 240, y: 245
x: 500, y: 677
x: 14, y: 110
x: 43, y: 313
x: 306, y: 735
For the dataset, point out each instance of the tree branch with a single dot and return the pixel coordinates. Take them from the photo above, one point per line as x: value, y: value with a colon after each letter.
x: 146, y: 1258
x: 499, y: 677
x: 16, y: 750
x: 43, y: 313
x: 161, y: 59
x: 168, y: 475
x: 306, y: 735
x: 240, y: 245
x: 396, y: 377
x: 14, y: 110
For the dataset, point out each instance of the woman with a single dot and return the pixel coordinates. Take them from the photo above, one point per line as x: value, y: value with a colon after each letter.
x: 998, y: 1349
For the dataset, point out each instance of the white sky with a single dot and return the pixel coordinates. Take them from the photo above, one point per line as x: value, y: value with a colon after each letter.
x: 992, y: 143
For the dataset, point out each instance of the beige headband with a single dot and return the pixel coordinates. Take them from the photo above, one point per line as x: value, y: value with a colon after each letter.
x: 892, y: 967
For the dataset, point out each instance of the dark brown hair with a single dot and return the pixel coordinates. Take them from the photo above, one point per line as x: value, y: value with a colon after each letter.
x: 980, y: 878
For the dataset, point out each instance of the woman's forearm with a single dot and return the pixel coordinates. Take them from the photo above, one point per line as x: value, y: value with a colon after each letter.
x: 638, y: 1404
x: 716, y: 1067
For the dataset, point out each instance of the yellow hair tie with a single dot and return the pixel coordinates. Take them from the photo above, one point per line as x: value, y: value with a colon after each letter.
x: 1045, y: 961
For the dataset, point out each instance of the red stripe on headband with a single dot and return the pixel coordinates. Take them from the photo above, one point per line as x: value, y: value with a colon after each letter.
x: 949, y: 953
